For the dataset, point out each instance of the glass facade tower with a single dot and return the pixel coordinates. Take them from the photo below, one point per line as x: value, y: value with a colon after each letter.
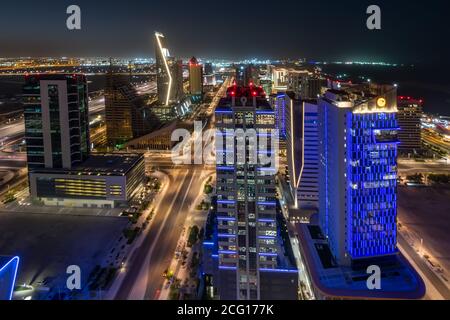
x: 246, y: 194
x: 358, y: 174
x: 56, y: 120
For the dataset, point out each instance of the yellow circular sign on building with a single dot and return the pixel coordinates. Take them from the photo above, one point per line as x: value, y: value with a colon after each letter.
x: 381, y: 102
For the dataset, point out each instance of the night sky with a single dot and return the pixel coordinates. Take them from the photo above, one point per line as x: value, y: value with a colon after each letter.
x: 411, y: 32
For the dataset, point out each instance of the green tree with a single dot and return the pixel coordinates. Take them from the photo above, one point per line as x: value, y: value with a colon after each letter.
x: 193, y: 236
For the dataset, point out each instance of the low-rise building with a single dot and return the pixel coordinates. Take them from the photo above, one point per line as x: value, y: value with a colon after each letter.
x: 102, y: 181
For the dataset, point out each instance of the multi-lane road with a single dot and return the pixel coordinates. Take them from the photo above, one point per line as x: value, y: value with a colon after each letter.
x: 432, y: 138
x: 144, y: 278
x: 406, y: 167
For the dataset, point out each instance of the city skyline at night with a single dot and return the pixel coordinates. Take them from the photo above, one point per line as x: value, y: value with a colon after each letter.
x: 217, y: 154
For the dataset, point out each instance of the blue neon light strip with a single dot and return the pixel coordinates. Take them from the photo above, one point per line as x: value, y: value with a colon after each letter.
x: 265, y: 112
x: 279, y: 270
x: 226, y: 219
x: 15, y: 264
x: 227, y: 252
x: 266, y: 237
x: 225, y: 168
x: 226, y: 201
x: 208, y: 243
x: 226, y: 235
x: 227, y: 268
x: 265, y: 134
x: 268, y: 254
x: 266, y: 220
x: 267, y: 203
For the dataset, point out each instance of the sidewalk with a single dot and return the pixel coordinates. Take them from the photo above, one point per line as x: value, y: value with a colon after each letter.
x: 416, y: 243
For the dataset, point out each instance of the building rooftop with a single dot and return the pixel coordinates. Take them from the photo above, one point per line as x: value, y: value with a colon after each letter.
x: 54, y: 76
x: 244, y: 97
x: 248, y: 92
x: 371, y: 98
x: 399, y: 280
x: 102, y: 164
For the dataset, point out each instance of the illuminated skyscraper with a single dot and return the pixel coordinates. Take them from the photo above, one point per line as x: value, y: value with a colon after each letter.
x: 56, y: 120
x: 409, y: 116
x: 250, y: 259
x: 246, y: 75
x: 195, y: 77
x: 169, y: 73
x: 209, y: 68
x: 302, y: 150
x: 358, y: 173
x: 126, y: 115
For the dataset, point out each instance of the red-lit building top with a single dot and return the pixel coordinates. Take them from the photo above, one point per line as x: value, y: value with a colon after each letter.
x: 249, y: 92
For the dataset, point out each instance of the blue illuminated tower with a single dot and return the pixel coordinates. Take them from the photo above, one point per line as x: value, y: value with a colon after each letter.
x: 248, y: 245
x: 8, y: 274
x: 358, y: 173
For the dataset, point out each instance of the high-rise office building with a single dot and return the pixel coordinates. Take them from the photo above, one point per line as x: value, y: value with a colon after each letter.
x: 169, y: 73
x: 302, y: 150
x: 209, y: 68
x: 126, y: 115
x: 61, y: 170
x: 280, y: 78
x: 409, y: 120
x: 246, y: 75
x: 266, y: 85
x: 56, y: 120
x: 358, y: 173
x: 195, y: 77
x: 356, y: 224
x: 306, y: 86
x: 250, y: 258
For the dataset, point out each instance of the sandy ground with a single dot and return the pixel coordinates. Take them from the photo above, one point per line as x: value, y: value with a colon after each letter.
x: 426, y: 212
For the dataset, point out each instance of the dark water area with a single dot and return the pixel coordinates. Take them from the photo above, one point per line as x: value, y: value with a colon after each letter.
x: 428, y: 82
